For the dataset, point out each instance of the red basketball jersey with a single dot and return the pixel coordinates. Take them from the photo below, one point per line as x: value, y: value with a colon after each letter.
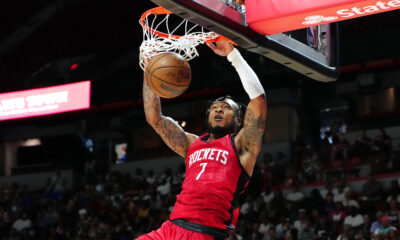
x: 214, y: 180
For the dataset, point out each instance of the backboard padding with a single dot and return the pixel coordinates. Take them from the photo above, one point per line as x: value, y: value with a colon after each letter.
x: 225, y: 20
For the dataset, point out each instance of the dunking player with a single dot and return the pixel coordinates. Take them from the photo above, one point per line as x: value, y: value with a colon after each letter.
x: 218, y: 164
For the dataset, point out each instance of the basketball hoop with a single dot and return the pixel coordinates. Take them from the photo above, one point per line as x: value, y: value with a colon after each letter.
x: 157, y: 41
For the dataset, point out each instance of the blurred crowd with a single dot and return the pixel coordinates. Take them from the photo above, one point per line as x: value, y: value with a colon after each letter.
x: 111, y: 206
x: 331, y: 157
x: 120, y: 206
x: 117, y: 206
x: 334, y: 211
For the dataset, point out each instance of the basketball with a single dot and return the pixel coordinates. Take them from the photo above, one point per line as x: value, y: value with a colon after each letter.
x: 168, y: 75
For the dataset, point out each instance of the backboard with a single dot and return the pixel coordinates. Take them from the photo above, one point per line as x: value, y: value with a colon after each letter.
x: 300, y: 50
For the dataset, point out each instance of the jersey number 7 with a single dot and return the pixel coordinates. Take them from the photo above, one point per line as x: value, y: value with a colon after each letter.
x: 202, y: 170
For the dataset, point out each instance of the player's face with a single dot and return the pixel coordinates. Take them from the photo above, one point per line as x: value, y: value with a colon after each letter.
x: 222, y: 117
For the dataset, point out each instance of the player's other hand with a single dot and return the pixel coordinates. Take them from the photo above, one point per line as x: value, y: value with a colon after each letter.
x: 222, y: 48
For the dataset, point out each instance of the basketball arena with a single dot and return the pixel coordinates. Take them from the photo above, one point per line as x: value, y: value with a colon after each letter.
x: 200, y: 119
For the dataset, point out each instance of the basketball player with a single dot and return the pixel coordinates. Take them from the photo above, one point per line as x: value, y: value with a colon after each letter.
x: 219, y: 164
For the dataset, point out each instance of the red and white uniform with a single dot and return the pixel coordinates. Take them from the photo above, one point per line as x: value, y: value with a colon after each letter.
x: 214, y: 180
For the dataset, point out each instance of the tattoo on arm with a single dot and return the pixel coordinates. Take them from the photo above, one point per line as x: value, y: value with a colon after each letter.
x: 150, y: 100
x: 171, y: 133
x: 254, y: 125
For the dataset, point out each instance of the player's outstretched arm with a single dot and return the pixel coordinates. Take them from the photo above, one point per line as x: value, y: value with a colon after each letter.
x: 172, y: 134
x: 249, y: 139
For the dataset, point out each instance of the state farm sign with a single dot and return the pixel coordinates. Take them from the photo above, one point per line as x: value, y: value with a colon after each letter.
x: 45, y: 101
x: 343, y: 14
x: 289, y: 15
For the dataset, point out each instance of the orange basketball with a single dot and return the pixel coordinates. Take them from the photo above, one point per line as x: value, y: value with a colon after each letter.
x: 168, y: 75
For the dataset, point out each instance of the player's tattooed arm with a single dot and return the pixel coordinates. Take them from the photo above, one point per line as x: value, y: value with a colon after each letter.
x: 254, y: 123
x: 171, y: 133
x: 250, y: 137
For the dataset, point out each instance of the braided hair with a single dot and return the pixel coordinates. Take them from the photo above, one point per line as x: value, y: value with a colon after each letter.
x: 239, y: 111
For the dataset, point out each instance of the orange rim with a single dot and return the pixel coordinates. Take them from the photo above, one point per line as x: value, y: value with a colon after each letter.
x: 163, y: 11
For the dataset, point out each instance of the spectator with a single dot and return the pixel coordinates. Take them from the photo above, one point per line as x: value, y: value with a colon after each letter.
x: 296, y: 196
x: 364, y: 232
x: 271, y: 234
x: 316, y: 201
x: 376, y: 224
x: 269, y: 211
x: 248, y: 206
x: 279, y: 202
x: 143, y: 211
x: 348, y: 201
x: 292, y: 174
x: 338, y: 195
x: 301, y: 222
x: 346, y: 233
x: 50, y: 216
x: 354, y: 219
x: 15, y: 206
x: 268, y: 195
x: 151, y: 179
x: 164, y: 188
x: 393, y: 214
x: 314, y: 216
x: 394, y: 191
x: 327, y: 189
x: 311, y: 165
x: 264, y: 227
x: 22, y: 223
x: 233, y: 235
x: 307, y: 232
x: 291, y: 234
x: 323, y: 229
x: 155, y: 201
x: 252, y: 233
x: 372, y: 189
x: 394, y: 187
x: 384, y: 230
x: 329, y: 204
x: 291, y: 211
x: 282, y: 227
x: 393, y: 197
x: 338, y: 215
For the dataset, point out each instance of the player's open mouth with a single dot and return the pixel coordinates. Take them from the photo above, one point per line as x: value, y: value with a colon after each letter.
x: 218, y: 117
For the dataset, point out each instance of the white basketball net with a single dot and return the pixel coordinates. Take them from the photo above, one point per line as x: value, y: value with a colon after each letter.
x: 185, y: 45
